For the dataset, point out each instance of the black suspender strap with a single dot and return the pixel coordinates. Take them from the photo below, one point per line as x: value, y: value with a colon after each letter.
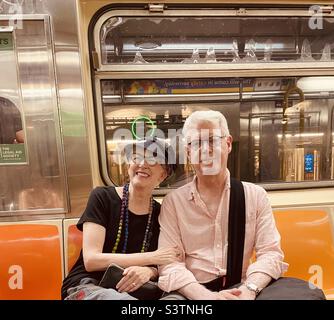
x: 236, y: 234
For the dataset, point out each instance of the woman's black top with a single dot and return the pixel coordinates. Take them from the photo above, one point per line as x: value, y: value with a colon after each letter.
x: 104, y: 208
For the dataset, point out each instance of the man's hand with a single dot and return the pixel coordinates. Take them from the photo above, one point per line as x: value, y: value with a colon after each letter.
x: 246, y: 294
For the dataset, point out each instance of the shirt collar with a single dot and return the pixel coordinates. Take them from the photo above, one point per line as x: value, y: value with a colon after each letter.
x: 193, y: 192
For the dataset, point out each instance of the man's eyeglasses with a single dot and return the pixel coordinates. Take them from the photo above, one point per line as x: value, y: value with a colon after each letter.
x: 213, y: 141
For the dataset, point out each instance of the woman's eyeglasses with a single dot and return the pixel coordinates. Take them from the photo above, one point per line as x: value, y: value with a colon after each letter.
x: 149, y: 159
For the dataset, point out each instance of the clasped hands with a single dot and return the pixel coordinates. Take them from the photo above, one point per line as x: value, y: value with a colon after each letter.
x: 241, y: 293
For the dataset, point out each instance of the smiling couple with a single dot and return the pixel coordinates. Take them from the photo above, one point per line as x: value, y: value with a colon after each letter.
x: 198, y: 245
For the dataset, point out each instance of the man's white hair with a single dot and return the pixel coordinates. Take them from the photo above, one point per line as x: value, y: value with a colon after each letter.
x: 207, y: 115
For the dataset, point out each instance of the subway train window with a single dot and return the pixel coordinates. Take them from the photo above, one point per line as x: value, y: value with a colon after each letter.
x: 268, y: 70
x: 29, y: 119
x: 189, y: 39
x: 282, y: 133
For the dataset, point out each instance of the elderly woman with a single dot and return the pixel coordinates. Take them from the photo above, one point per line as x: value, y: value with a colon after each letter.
x: 120, y: 226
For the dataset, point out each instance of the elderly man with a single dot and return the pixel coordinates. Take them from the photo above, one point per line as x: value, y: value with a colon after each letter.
x: 218, y: 232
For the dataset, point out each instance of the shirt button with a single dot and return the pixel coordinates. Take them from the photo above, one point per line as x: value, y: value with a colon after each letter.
x: 218, y: 245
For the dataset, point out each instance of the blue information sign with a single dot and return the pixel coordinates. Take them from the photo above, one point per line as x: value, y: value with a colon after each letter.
x: 309, y: 163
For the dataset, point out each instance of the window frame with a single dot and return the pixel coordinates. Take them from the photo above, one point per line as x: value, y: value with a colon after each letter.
x: 101, y: 72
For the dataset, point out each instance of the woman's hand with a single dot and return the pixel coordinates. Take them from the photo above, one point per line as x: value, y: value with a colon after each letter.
x: 133, y: 278
x: 166, y: 255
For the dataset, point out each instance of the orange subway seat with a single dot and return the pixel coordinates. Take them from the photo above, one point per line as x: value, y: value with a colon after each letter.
x: 74, y: 245
x: 31, y: 262
x: 307, y: 242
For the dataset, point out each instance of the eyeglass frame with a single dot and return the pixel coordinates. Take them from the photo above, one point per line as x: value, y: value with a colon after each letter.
x: 147, y: 159
x: 199, y: 141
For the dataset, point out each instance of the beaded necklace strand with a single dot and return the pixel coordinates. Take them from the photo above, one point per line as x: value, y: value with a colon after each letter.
x: 124, y: 219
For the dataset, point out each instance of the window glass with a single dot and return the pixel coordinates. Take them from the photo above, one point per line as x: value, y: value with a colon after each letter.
x: 140, y: 40
x: 279, y: 135
x: 29, y: 104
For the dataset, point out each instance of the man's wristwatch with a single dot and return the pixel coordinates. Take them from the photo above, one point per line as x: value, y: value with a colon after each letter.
x: 252, y: 287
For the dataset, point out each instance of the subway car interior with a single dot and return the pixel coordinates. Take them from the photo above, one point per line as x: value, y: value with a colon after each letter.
x: 75, y: 73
